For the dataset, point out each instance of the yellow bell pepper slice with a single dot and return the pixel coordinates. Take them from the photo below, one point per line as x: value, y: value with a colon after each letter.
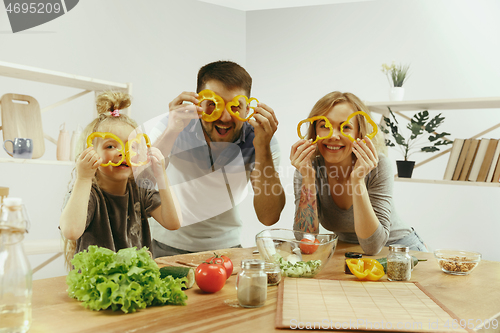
x: 236, y: 102
x: 365, y: 269
x: 131, y: 153
x: 107, y: 135
x: 349, y: 136
x: 219, y: 105
x: 312, y: 120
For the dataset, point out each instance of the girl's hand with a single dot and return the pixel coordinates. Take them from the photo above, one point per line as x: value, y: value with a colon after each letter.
x: 367, y: 158
x: 181, y: 114
x: 87, y: 164
x: 157, y: 163
x: 300, y: 156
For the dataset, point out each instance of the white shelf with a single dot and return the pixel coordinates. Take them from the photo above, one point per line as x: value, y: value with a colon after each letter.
x: 436, y: 104
x: 57, y: 78
x: 448, y: 182
x: 25, y: 161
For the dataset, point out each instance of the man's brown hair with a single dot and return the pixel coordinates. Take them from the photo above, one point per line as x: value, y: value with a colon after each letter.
x: 229, y: 73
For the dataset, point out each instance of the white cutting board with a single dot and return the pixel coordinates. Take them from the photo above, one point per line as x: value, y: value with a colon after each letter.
x: 21, y: 118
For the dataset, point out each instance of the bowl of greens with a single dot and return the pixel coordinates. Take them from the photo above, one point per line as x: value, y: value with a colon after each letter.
x: 299, y: 254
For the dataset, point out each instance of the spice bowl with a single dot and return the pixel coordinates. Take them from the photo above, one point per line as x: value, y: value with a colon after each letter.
x: 298, y: 254
x: 457, y: 262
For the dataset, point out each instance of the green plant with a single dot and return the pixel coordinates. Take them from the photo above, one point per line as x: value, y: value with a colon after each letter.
x: 418, y: 124
x: 396, y: 73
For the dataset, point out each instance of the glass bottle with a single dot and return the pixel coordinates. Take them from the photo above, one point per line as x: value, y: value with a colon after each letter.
x: 398, y: 263
x: 251, y: 284
x: 15, y: 271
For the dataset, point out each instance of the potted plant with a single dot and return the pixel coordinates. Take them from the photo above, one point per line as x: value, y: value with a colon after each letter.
x: 396, y: 75
x: 419, y: 126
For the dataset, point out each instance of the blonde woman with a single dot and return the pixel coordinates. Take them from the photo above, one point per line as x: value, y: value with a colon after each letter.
x: 105, y: 206
x: 347, y: 186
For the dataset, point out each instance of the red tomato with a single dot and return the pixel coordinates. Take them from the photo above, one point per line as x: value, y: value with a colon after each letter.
x: 228, y: 264
x: 210, y: 276
x: 309, y: 248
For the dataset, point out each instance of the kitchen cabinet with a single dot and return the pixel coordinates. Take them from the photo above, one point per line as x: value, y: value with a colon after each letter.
x: 447, y: 105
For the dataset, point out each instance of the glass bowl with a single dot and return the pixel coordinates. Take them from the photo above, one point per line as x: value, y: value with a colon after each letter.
x: 457, y: 262
x: 298, y: 253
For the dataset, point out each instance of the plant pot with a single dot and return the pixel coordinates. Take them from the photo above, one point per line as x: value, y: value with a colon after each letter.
x: 405, y: 168
x: 396, y: 93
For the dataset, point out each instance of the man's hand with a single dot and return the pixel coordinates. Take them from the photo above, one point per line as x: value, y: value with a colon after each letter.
x: 181, y: 114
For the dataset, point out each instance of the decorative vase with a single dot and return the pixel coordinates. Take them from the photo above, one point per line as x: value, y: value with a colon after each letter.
x: 396, y: 93
x: 405, y: 168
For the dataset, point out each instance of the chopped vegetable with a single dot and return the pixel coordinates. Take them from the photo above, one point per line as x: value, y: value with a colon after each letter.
x: 179, y: 273
x: 370, y: 121
x: 127, y: 280
x: 298, y: 269
x: 365, y: 268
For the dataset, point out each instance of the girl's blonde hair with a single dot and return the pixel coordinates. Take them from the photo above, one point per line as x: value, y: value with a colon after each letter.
x: 106, y: 103
x: 327, y: 102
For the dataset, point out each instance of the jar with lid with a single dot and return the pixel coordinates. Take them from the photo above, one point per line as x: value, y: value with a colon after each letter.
x: 15, y: 271
x: 273, y: 272
x: 251, y: 284
x: 399, y: 263
x: 350, y: 255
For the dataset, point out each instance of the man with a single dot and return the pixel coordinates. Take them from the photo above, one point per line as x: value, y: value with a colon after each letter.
x: 211, y: 161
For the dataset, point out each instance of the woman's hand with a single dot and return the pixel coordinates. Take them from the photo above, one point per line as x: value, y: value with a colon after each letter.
x: 300, y: 157
x: 367, y: 158
x: 87, y: 164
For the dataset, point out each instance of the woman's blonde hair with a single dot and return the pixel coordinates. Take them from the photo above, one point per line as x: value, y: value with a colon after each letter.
x: 106, y: 104
x: 327, y: 102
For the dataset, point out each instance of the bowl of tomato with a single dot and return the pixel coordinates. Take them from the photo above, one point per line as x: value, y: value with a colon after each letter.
x: 299, y: 254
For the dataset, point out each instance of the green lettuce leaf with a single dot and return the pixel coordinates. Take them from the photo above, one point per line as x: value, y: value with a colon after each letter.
x: 127, y: 280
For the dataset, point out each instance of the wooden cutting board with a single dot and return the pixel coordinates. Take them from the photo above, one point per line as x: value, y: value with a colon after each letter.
x: 368, y: 306
x: 194, y: 259
x: 21, y: 118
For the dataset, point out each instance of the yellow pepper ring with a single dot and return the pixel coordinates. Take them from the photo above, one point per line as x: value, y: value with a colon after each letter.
x: 219, y: 105
x: 365, y: 269
x: 107, y: 135
x: 130, y: 153
x: 236, y: 102
x: 349, y: 136
x: 312, y: 120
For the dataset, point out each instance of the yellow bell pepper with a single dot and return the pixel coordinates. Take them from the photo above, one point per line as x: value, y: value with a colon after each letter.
x: 107, y: 135
x: 130, y: 153
x: 312, y: 120
x: 370, y: 121
x: 365, y: 269
x: 219, y: 105
x: 236, y: 102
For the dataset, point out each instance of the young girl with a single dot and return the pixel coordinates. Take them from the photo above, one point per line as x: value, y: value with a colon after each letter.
x: 106, y: 207
x: 347, y: 186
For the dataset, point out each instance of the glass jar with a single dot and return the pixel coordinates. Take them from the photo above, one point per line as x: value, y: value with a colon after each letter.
x: 350, y: 255
x: 15, y: 270
x: 251, y: 284
x: 398, y: 263
x: 273, y: 272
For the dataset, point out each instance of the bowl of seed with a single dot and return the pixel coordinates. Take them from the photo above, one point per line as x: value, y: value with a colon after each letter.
x: 457, y: 262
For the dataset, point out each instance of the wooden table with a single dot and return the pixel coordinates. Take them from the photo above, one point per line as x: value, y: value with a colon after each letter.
x: 476, y: 296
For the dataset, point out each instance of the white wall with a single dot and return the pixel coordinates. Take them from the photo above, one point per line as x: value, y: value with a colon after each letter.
x: 159, y: 47
x: 295, y: 56
x: 298, y: 55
